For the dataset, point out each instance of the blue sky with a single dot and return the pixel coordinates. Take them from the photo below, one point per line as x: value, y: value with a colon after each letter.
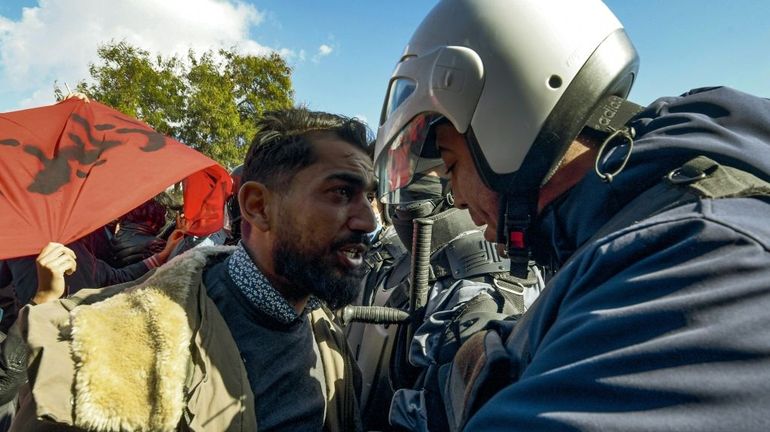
x: 343, y: 52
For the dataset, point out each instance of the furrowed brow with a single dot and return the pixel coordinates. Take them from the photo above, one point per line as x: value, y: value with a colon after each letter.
x: 351, y: 179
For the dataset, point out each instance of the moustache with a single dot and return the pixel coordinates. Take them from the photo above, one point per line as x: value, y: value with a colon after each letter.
x: 354, y: 238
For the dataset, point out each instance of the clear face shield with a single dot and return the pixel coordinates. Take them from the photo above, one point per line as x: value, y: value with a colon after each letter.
x: 441, y: 84
x: 411, y: 152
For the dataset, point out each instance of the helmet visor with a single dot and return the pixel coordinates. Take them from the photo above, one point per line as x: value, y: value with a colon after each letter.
x: 411, y: 151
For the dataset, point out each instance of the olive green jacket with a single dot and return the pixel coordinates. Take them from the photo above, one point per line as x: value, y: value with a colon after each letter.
x: 156, y: 355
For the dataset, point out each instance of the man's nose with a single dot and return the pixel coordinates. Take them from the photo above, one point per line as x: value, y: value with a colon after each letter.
x: 362, y: 216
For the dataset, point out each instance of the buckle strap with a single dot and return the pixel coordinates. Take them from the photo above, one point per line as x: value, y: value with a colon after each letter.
x: 517, y: 211
x: 708, y: 179
x: 611, y: 115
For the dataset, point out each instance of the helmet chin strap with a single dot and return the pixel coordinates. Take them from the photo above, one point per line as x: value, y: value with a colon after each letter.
x: 516, y: 214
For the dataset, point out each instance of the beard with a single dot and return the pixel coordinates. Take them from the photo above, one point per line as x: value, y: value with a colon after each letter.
x: 316, y: 271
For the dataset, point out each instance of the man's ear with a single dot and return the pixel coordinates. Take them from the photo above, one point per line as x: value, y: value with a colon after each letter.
x: 255, y: 200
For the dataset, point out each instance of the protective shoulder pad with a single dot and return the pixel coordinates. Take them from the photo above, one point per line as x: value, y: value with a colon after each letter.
x: 470, y: 255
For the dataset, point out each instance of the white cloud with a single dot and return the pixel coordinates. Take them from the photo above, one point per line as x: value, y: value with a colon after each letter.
x: 287, y: 54
x: 323, y: 51
x: 292, y: 56
x: 5, y: 25
x: 58, y: 39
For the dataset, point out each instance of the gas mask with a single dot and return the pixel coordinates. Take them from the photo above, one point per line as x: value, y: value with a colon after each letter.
x: 423, y: 197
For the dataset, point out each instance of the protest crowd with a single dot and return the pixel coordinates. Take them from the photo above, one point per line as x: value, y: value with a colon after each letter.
x: 520, y: 247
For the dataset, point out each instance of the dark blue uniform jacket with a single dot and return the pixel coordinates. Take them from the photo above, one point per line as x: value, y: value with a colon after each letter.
x: 663, y: 325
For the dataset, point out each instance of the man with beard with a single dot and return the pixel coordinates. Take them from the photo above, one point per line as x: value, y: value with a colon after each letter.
x: 260, y: 350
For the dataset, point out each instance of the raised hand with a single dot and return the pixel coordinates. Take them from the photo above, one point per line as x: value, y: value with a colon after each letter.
x: 54, y: 261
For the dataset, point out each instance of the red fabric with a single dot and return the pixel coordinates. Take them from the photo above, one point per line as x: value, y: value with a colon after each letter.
x: 70, y: 168
x: 205, y: 194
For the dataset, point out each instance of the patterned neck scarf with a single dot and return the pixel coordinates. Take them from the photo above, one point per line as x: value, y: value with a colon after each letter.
x: 253, y: 283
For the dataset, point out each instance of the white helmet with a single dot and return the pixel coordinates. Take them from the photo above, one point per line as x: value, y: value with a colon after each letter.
x: 519, y: 78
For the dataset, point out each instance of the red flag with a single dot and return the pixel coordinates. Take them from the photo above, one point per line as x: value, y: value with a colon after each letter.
x: 70, y: 168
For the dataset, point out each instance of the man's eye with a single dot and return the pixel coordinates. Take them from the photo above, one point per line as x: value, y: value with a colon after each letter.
x: 344, y: 191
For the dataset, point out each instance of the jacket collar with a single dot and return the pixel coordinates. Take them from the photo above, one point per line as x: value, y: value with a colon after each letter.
x: 255, y: 286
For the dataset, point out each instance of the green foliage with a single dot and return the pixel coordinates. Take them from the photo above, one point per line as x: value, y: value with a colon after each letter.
x: 209, y: 101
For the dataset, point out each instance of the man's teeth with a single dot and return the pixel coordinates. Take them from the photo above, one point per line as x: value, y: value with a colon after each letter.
x: 350, y: 254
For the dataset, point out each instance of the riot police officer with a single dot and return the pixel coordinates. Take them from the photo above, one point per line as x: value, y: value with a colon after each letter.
x: 655, y: 218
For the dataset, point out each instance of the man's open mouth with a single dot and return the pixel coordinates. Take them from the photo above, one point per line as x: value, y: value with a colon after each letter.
x: 352, y: 255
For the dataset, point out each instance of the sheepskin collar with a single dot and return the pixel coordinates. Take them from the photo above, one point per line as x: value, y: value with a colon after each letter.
x: 131, y: 351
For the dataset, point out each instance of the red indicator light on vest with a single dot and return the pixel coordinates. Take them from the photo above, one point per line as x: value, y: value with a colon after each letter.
x: 516, y: 239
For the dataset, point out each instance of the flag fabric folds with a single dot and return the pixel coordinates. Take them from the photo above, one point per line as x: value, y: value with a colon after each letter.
x: 70, y: 168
